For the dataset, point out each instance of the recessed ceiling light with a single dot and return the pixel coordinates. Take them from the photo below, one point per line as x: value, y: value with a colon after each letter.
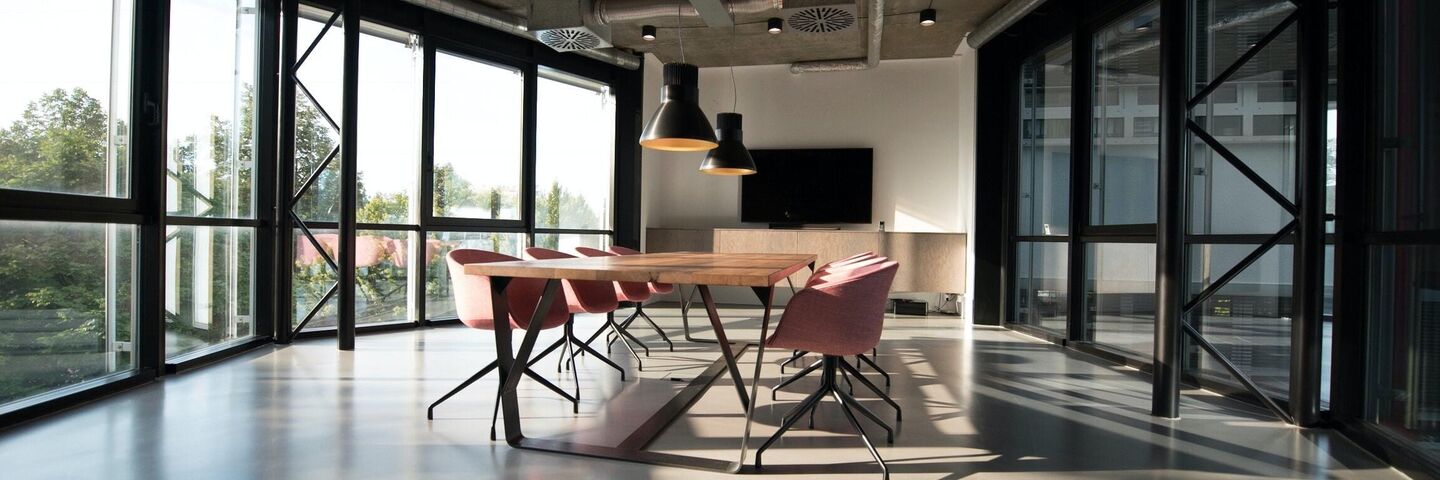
x: 647, y: 32
x: 775, y: 26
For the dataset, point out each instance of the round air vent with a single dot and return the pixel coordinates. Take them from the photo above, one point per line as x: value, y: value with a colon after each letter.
x: 569, y: 39
x: 821, y: 20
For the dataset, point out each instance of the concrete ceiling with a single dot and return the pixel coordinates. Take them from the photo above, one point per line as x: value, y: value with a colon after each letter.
x: 751, y: 44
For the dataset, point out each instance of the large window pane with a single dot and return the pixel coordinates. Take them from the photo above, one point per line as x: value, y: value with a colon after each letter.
x: 1041, y: 297
x: 1044, y: 176
x: 1409, y: 156
x: 439, y: 303
x: 388, y: 153
x: 382, y: 274
x: 1404, y: 365
x: 1248, y: 319
x: 211, y: 108
x: 208, y: 279
x: 66, y: 304
x: 1403, y: 379
x: 1223, y: 201
x: 478, y: 138
x: 64, y: 96
x: 575, y: 153
x: 312, y: 277
x: 1120, y: 292
x: 1123, y: 168
x: 315, y: 136
x: 382, y: 291
x: 568, y: 241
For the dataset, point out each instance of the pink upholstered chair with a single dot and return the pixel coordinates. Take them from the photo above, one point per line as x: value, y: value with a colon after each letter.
x: 839, y: 316
x: 587, y: 296
x: 830, y: 270
x: 472, y: 304
x: 632, y: 293
x: 655, y: 287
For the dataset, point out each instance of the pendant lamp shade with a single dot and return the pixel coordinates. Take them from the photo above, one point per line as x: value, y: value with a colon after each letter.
x: 731, y: 157
x: 679, y: 125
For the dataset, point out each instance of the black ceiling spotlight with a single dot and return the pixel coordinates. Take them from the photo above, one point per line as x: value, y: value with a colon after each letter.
x: 731, y: 157
x: 775, y: 26
x: 647, y: 32
x: 679, y: 125
x: 927, y: 17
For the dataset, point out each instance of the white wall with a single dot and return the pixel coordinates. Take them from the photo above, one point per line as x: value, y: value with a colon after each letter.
x: 917, y: 115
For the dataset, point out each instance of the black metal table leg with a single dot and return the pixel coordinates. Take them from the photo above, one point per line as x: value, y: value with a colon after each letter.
x: 509, y: 373
x: 767, y: 299
x: 725, y: 349
x: 633, y: 447
x: 685, y: 316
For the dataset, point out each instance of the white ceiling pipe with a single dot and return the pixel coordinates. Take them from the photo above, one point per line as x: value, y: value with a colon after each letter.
x: 614, y: 11
x: 1002, y: 19
x: 872, y: 53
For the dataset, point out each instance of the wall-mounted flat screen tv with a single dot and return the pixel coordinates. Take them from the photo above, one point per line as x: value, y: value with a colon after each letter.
x: 808, y: 186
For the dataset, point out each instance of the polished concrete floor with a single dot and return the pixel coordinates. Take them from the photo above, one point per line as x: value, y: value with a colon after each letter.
x: 979, y: 403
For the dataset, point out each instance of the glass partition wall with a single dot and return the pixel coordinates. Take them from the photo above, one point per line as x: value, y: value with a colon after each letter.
x: 1087, y: 187
x: 211, y: 146
x: 175, y: 185
x: 70, y: 229
x: 443, y: 160
x: 1301, y: 197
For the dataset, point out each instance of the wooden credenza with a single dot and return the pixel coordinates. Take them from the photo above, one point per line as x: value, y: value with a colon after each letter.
x: 929, y: 262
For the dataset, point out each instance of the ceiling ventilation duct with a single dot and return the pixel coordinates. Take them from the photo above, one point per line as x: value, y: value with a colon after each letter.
x: 875, y: 22
x: 567, y: 25
x: 822, y: 18
x: 613, y: 11
x: 501, y: 21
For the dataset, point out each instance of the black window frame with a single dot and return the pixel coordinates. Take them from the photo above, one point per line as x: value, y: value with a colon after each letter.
x: 439, y: 31
x: 145, y: 206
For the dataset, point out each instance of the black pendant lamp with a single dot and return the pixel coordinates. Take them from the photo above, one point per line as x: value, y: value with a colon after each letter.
x: 731, y: 157
x: 679, y: 125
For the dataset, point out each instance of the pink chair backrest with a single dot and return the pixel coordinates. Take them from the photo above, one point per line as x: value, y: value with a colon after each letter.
x: 583, y: 296
x: 849, y: 260
x: 369, y: 249
x: 626, y: 291
x: 398, y: 251
x: 654, y: 286
x: 841, y: 315
x: 619, y: 250
x: 472, y: 294
x: 836, y: 270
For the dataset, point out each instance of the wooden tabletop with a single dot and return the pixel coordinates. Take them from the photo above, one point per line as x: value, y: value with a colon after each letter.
x: 689, y: 268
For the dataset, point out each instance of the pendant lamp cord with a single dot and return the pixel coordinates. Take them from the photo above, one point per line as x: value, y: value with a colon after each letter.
x: 734, y: 87
x: 680, y: 30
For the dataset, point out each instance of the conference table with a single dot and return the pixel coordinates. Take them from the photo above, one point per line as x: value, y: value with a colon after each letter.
x: 758, y: 271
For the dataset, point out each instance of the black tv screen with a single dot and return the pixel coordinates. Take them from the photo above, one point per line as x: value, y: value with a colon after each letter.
x: 808, y: 186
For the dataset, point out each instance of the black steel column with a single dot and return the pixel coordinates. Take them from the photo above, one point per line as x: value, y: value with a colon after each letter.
x: 629, y: 95
x: 285, y: 176
x: 147, y: 179
x: 527, y: 167
x: 268, y: 241
x: 1082, y: 142
x: 282, y: 113
x: 349, y: 175
x: 426, y: 196
x: 1355, y: 100
x: 1307, y: 324
x: 1170, y: 261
